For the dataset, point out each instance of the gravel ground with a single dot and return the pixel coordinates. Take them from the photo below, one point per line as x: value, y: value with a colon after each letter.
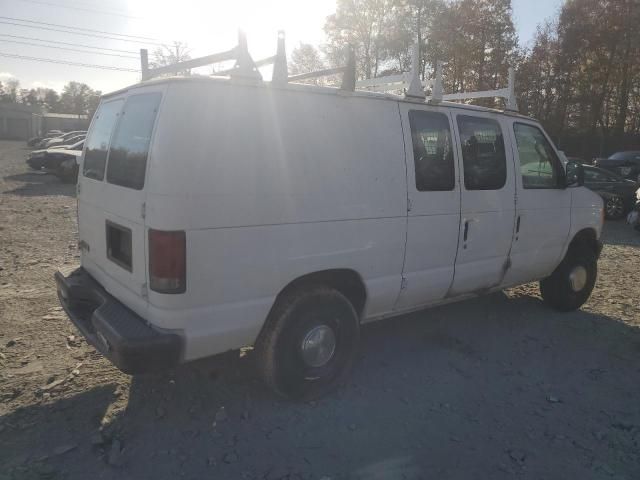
x: 499, y: 387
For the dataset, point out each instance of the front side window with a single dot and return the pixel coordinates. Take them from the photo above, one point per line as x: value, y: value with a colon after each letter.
x: 95, y: 155
x: 432, y: 151
x: 130, y: 146
x: 483, y: 155
x: 539, y: 164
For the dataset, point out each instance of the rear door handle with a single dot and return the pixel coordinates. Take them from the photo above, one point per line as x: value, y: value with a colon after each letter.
x: 518, y: 225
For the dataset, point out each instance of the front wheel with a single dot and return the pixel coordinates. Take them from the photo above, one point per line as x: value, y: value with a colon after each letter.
x: 614, y: 207
x: 572, y: 282
x: 308, y: 343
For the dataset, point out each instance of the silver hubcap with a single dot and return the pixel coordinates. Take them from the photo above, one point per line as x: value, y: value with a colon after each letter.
x: 614, y: 207
x: 318, y: 346
x: 578, y: 278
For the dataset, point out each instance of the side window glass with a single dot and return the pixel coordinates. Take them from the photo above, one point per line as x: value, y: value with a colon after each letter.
x: 97, y: 142
x: 590, y: 175
x: 483, y: 155
x: 130, y: 146
x: 539, y: 164
x: 432, y: 151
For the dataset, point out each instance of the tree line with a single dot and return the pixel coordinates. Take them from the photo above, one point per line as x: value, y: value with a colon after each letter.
x: 76, y: 97
x: 580, y: 76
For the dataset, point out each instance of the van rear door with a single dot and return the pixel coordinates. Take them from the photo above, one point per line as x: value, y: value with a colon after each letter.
x: 111, y: 196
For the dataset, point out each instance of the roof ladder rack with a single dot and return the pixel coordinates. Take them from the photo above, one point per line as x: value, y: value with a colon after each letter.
x: 348, y: 73
x: 415, y: 88
x: 244, y: 67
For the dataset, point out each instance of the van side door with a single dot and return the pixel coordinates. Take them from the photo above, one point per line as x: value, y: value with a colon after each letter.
x: 543, y: 204
x: 488, y: 201
x: 433, y: 193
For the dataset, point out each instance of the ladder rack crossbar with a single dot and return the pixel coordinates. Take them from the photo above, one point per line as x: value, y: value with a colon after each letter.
x: 318, y: 73
x: 194, y: 63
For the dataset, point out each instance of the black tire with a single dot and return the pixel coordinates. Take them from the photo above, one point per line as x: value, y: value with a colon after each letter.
x: 559, y: 291
x: 67, y: 175
x: 35, y: 165
x: 279, y: 349
x: 614, y: 207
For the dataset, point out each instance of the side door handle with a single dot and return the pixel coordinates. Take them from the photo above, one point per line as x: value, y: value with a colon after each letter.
x: 466, y: 230
x: 518, y: 225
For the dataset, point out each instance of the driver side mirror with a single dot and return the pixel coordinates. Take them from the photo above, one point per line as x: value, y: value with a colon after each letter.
x: 574, y: 174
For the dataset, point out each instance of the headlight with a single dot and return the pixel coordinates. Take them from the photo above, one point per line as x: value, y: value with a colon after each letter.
x: 638, y: 195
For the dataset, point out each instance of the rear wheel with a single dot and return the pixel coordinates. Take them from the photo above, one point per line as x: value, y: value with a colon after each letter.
x: 308, y: 343
x: 614, y: 207
x: 571, y: 284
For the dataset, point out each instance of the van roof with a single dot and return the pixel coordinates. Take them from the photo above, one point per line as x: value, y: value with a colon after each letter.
x: 212, y: 80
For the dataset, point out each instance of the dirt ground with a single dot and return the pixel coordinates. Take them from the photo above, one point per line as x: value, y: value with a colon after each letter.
x: 499, y: 387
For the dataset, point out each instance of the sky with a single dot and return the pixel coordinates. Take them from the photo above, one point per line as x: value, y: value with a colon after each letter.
x: 206, y: 26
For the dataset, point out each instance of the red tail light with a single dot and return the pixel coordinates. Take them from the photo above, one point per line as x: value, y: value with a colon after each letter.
x: 167, y: 261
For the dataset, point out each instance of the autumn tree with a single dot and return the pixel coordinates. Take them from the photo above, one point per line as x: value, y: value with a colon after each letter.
x: 170, y: 55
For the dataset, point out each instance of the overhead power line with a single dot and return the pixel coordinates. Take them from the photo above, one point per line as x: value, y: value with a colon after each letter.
x: 65, y: 62
x: 79, y: 28
x: 82, y: 9
x: 69, y: 49
x: 70, y: 30
x: 69, y: 44
x: 77, y: 33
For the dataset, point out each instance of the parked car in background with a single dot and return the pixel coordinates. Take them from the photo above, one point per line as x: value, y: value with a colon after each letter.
x: 625, y: 164
x: 617, y: 192
x: 51, y: 158
x: 61, y: 140
x: 33, y: 141
x: 67, y: 163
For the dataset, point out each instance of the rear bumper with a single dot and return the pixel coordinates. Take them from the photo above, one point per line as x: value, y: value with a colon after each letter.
x: 119, y: 334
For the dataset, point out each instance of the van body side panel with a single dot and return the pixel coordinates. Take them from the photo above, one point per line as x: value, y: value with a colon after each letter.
x: 270, y: 185
x: 245, y: 269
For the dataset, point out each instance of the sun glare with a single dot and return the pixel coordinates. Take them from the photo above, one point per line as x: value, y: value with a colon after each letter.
x: 213, y: 25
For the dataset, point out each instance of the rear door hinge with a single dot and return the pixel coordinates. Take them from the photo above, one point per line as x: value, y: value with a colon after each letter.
x: 403, y: 283
x: 409, y: 205
x: 143, y: 210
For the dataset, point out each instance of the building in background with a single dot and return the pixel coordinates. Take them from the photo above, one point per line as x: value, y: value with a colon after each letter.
x: 63, y: 121
x: 20, y: 122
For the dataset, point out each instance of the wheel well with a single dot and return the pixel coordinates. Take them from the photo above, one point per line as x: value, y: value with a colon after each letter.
x: 346, y: 281
x: 585, y: 238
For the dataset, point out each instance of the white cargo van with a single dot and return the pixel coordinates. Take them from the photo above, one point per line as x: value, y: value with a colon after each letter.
x: 220, y: 213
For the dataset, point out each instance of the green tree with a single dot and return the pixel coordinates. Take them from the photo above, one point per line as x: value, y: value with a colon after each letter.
x: 78, y: 98
x: 50, y: 99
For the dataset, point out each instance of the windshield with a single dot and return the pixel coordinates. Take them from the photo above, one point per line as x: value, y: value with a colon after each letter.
x: 635, y: 155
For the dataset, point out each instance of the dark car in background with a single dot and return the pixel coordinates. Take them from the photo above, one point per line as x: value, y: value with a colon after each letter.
x: 618, y: 193
x: 626, y: 164
x: 50, y: 159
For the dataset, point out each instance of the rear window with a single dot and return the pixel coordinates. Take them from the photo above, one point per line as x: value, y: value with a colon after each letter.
x: 130, y: 146
x: 97, y: 143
